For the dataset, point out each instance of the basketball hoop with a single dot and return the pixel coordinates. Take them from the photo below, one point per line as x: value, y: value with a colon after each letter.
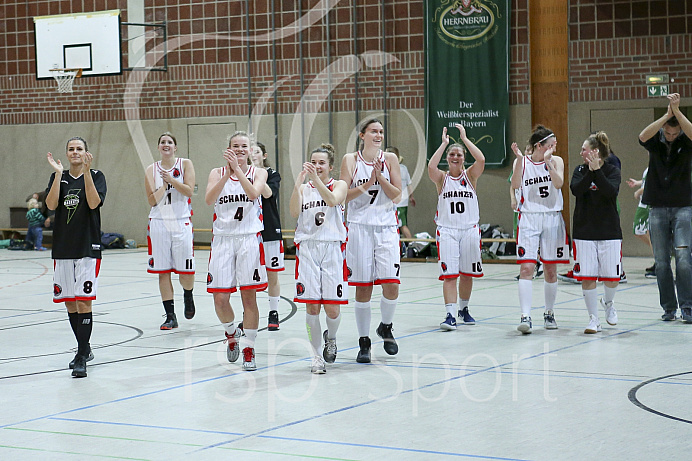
x: 65, y: 78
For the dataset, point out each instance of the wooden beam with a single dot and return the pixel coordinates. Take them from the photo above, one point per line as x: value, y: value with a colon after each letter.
x: 549, y: 44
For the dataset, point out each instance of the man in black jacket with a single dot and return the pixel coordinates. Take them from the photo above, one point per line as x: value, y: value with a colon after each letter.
x: 669, y: 195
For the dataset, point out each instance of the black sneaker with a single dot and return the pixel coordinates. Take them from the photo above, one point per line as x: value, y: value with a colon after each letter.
x: 650, y: 272
x: 364, y: 352
x: 189, y: 306
x: 385, y: 332
x: 79, y: 369
x: 170, y: 323
x: 273, y: 322
x: 539, y: 270
x: 89, y: 358
x: 668, y: 316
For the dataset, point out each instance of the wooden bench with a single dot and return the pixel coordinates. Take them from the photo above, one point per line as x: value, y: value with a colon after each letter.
x: 288, y: 234
x: 20, y: 232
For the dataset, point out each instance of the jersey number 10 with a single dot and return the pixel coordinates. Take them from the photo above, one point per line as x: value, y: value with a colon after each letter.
x: 456, y: 207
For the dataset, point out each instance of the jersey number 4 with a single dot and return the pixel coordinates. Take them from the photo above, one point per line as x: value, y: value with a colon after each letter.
x: 239, y: 214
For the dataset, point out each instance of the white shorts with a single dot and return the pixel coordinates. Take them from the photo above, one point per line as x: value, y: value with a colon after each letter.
x: 598, y: 260
x: 321, y: 273
x: 75, y: 279
x: 170, y: 246
x: 459, y: 252
x: 274, y: 255
x: 236, y: 261
x: 372, y: 255
x: 544, y: 230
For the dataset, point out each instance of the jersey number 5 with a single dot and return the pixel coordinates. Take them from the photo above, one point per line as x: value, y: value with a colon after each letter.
x: 543, y: 191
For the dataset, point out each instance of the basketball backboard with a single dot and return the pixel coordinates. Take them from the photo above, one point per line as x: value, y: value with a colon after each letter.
x: 87, y: 41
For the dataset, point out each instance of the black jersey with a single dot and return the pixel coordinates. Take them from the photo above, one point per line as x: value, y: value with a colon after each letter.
x: 77, y: 230
x: 595, y: 212
x: 270, y: 208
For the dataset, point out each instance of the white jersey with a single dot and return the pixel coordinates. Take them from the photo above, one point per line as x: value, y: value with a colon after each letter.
x: 234, y: 212
x: 373, y: 207
x: 457, y: 203
x: 642, y: 205
x: 174, y: 204
x: 405, y: 182
x: 317, y: 220
x: 538, y: 195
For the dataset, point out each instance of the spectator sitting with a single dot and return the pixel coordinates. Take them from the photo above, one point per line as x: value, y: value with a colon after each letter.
x: 36, y: 219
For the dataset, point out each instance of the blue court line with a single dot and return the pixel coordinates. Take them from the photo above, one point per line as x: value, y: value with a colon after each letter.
x: 180, y: 386
x: 345, y: 408
x: 409, y: 391
x: 136, y: 396
x: 292, y: 439
x: 144, y: 426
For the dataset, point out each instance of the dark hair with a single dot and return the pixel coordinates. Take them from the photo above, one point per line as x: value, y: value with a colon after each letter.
x: 236, y: 134
x: 327, y: 149
x: 175, y: 141
x: 265, y: 162
x: 77, y: 138
x: 599, y: 140
x: 673, y: 121
x: 540, y: 135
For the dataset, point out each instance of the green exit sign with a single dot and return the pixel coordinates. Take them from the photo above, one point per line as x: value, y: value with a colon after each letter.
x: 655, y: 91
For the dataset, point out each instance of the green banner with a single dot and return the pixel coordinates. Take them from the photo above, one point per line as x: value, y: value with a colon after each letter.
x: 467, y: 74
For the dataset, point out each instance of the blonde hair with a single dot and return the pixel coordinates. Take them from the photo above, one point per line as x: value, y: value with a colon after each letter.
x: 599, y: 140
x: 32, y: 203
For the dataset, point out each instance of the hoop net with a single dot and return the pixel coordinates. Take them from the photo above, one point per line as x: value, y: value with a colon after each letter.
x: 65, y: 78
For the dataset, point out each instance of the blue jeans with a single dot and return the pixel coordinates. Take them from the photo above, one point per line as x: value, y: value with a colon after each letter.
x: 671, y: 230
x: 35, y: 235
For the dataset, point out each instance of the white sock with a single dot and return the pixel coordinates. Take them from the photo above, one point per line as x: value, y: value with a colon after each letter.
x: 312, y: 323
x: 525, y: 296
x: 463, y: 303
x: 609, y: 294
x: 229, y: 327
x: 250, y: 337
x: 363, y: 313
x: 451, y: 309
x: 387, y: 308
x: 591, y: 301
x: 333, y: 326
x: 550, y: 290
x: 274, y: 303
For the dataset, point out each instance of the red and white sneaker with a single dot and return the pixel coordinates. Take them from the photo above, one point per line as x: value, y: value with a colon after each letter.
x: 249, y: 359
x: 568, y: 277
x: 233, y: 351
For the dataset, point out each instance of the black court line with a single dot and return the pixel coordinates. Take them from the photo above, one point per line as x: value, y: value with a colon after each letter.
x: 294, y: 310
x: 139, y: 333
x: 632, y: 395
